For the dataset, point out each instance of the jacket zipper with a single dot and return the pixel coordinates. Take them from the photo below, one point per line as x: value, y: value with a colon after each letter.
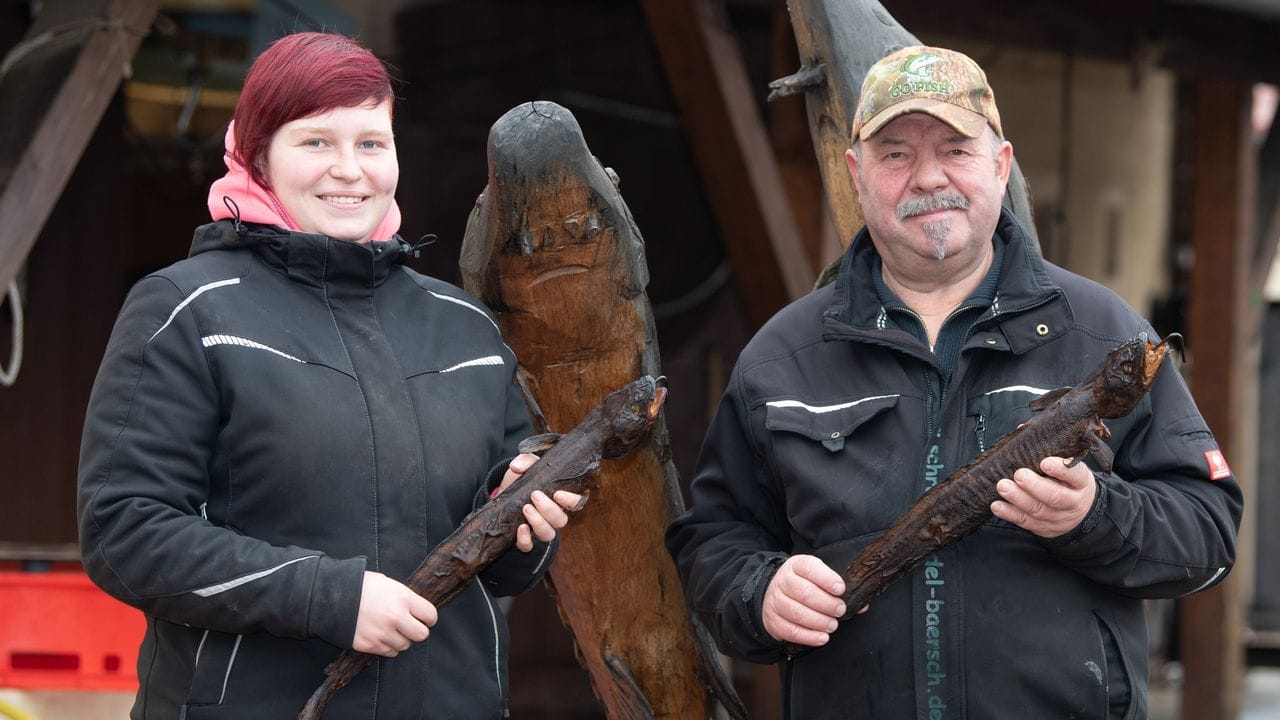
x: 497, y: 641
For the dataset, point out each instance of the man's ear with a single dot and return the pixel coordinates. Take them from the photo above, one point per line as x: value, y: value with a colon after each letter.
x: 1004, y: 162
x: 851, y: 161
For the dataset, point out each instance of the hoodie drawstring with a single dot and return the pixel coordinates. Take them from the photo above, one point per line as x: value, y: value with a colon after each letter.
x: 235, y: 213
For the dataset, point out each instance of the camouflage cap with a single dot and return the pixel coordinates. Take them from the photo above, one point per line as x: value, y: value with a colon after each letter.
x: 943, y: 83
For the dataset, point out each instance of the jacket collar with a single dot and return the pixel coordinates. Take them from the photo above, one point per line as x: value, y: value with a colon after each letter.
x: 305, y: 257
x: 1028, y: 307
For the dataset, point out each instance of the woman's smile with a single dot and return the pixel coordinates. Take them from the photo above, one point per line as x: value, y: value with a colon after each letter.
x: 336, y: 173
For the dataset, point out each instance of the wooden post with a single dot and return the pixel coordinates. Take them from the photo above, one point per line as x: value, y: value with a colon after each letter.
x: 46, y: 158
x: 705, y: 71
x: 797, y: 163
x: 1218, y: 333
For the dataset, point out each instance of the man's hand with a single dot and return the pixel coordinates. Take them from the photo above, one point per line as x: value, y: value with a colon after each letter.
x: 544, y: 515
x: 1048, y: 505
x: 391, y: 618
x: 802, y: 602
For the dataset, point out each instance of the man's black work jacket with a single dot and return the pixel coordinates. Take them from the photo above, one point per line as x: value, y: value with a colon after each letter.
x: 835, y: 421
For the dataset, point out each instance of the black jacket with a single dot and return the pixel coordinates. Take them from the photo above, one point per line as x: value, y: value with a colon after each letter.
x: 275, y: 415
x: 834, y: 421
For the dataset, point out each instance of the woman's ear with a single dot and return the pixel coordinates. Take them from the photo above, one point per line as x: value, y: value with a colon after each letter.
x: 260, y: 165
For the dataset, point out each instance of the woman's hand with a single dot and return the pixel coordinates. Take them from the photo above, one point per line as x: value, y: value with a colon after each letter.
x: 544, y: 515
x: 392, y: 617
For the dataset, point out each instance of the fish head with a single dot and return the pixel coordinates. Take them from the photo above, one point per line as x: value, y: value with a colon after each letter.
x: 629, y: 412
x: 1127, y: 373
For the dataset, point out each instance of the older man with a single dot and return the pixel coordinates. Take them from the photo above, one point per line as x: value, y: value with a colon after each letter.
x: 942, y: 325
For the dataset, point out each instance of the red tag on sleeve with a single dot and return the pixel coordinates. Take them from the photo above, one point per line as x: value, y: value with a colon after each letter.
x: 1218, y: 468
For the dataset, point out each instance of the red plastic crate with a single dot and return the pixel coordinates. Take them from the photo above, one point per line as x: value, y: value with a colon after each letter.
x: 58, y: 631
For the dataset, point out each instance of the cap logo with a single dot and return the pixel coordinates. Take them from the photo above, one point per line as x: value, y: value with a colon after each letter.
x: 917, y: 76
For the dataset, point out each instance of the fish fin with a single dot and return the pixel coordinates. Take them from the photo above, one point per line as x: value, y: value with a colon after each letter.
x: 1047, y: 399
x: 1101, y: 452
x: 538, y: 444
x: 525, y: 381
x: 636, y: 705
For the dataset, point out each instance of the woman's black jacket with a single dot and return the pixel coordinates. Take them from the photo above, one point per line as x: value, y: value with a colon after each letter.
x: 275, y: 415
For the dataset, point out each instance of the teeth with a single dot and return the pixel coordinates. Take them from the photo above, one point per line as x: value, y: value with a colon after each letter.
x: 342, y: 199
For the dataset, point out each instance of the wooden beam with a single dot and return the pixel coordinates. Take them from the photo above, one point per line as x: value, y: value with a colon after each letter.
x: 47, y: 156
x: 789, y: 133
x: 1210, y: 622
x: 722, y: 120
x: 1190, y: 39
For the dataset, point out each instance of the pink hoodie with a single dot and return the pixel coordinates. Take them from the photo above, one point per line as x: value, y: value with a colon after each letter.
x: 259, y: 205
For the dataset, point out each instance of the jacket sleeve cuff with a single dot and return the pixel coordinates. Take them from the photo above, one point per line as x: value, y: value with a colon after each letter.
x: 492, y: 480
x: 742, y: 620
x: 1091, y: 519
x: 515, y: 572
x: 335, y: 600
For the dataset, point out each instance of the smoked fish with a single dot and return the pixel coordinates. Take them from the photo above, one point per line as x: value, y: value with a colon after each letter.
x: 570, y: 462
x: 1065, y: 423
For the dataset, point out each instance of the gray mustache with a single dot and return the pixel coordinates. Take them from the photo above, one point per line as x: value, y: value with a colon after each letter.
x: 929, y: 203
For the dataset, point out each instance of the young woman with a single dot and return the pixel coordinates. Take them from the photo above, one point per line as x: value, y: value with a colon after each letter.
x: 288, y: 420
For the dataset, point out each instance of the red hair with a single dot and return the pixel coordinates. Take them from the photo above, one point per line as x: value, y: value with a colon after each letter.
x: 301, y: 75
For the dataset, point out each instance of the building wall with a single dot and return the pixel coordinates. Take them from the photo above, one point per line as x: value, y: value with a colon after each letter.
x: 1099, y: 173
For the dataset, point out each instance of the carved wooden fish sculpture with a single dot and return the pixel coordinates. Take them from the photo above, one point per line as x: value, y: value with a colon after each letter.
x: 554, y: 251
x: 570, y: 462
x: 1066, y: 423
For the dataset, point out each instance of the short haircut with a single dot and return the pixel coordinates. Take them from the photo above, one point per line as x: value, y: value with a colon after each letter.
x: 298, y: 76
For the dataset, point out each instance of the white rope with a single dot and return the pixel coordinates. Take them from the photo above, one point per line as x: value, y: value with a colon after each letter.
x: 9, y: 376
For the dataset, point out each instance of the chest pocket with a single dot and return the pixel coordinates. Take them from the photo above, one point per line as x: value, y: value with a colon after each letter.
x: 998, y: 412
x: 829, y: 424
x: 840, y: 466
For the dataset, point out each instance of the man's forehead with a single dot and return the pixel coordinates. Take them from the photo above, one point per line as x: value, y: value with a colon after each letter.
x: 897, y: 130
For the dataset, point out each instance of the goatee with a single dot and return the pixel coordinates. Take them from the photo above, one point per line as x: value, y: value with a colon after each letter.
x: 937, y: 233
